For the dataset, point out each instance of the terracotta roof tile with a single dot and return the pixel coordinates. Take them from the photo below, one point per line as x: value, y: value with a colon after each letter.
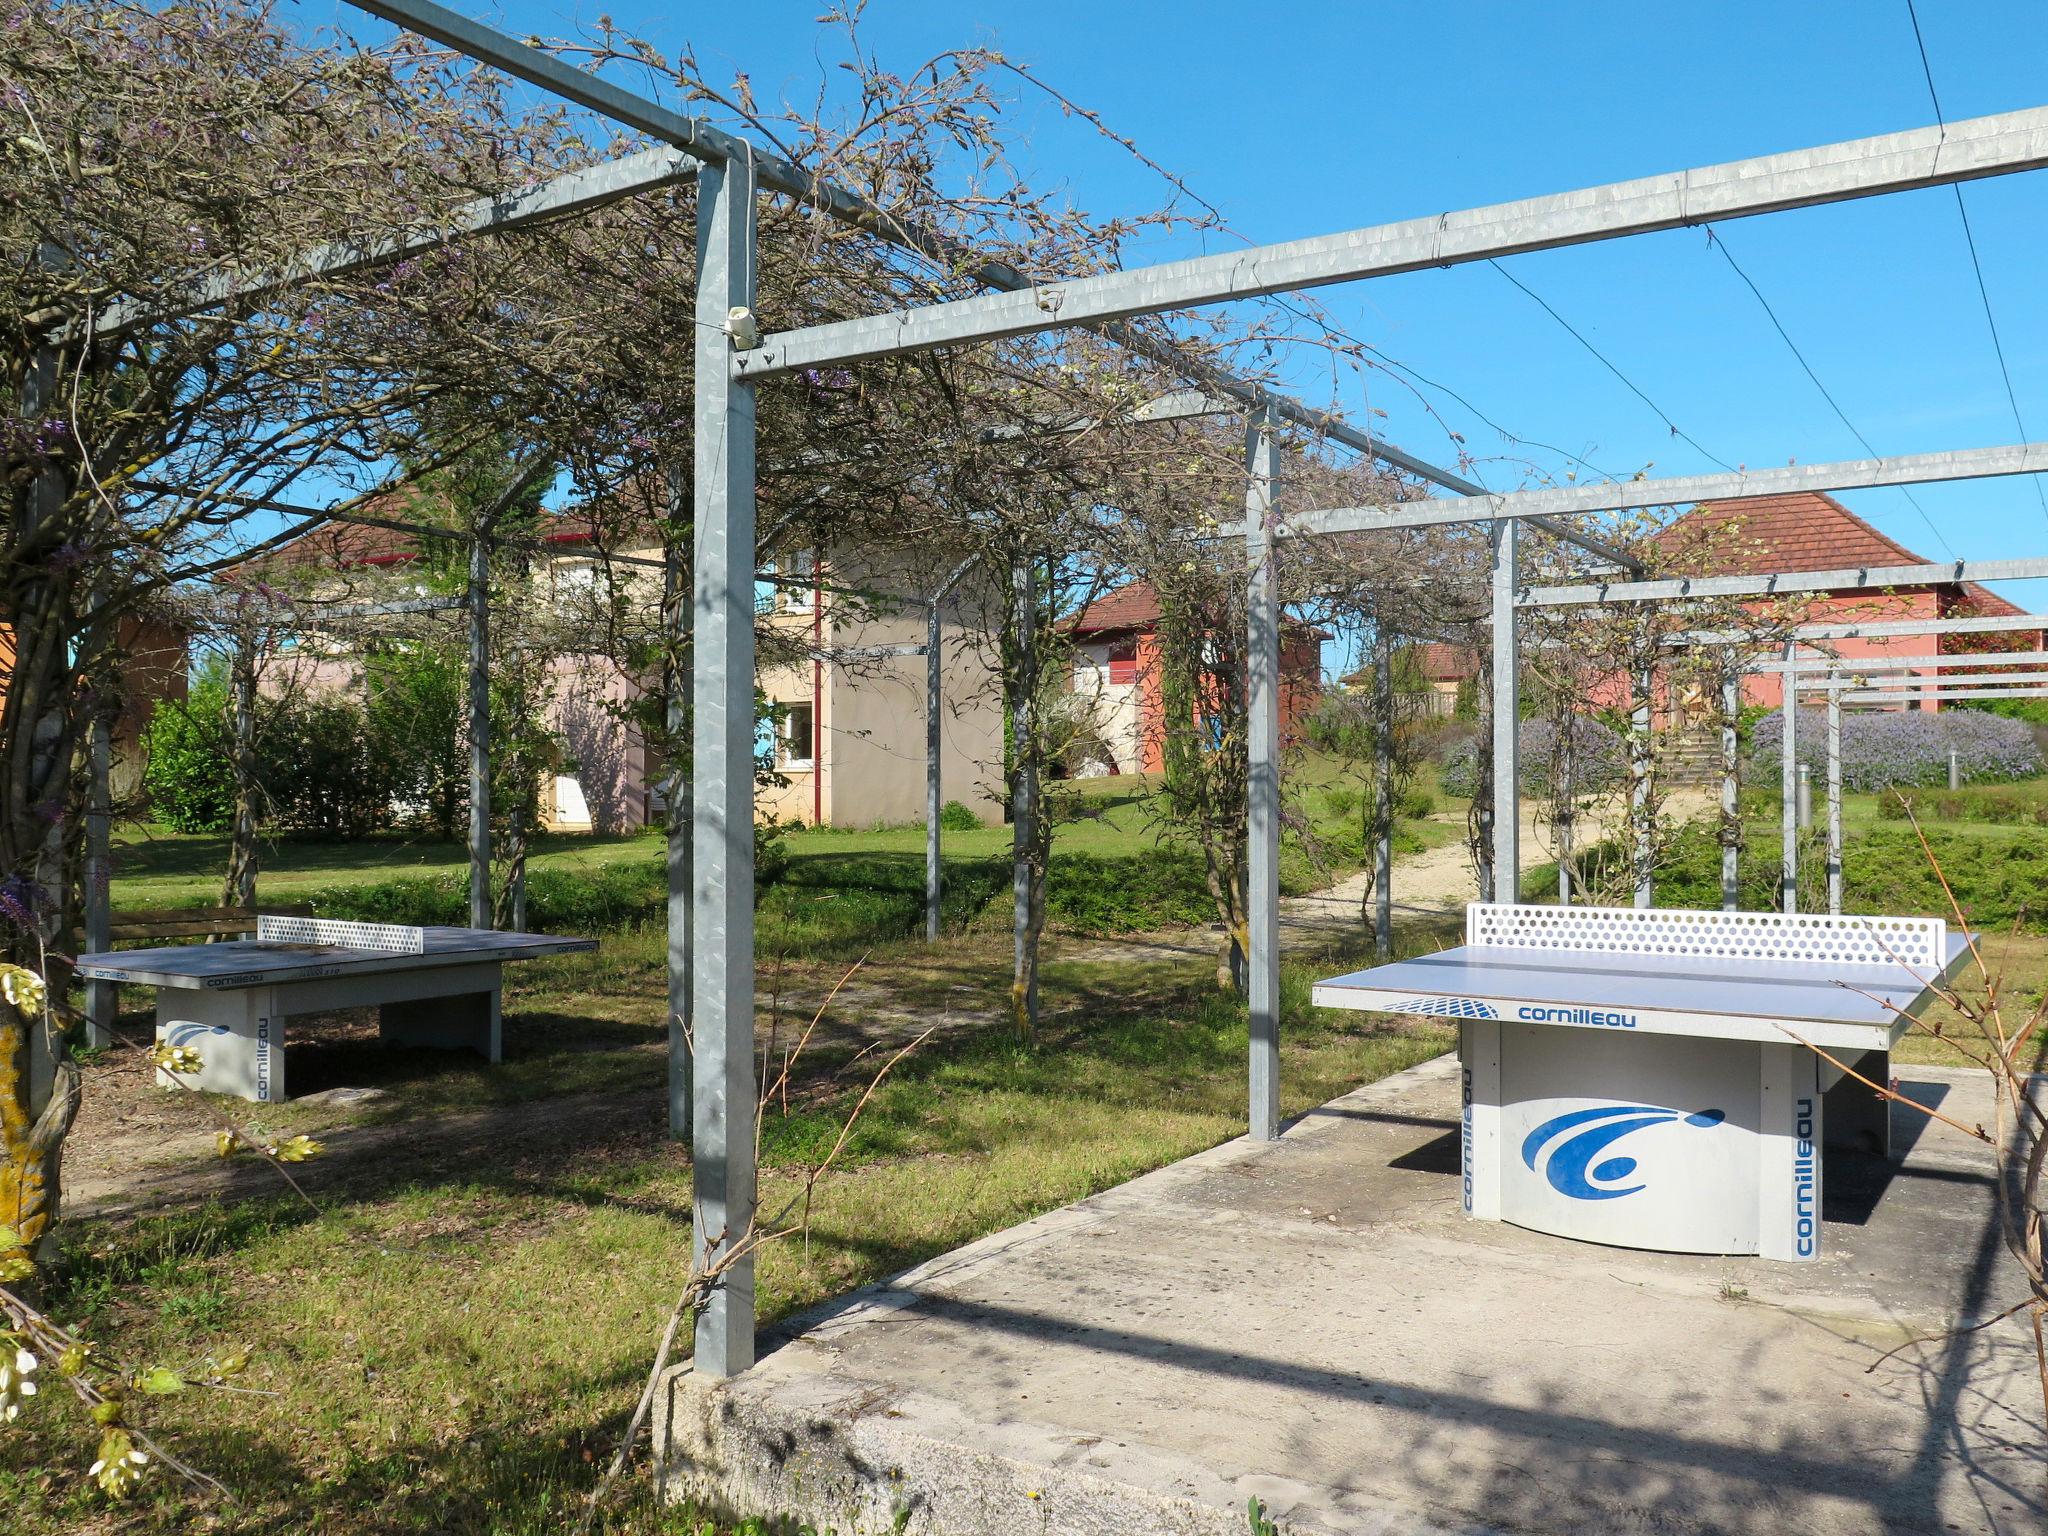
x: 1131, y: 607
x: 1134, y: 607
x: 1442, y: 663
x: 1799, y: 531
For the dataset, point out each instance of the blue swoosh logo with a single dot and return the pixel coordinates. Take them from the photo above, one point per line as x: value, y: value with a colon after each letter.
x: 1587, y: 1133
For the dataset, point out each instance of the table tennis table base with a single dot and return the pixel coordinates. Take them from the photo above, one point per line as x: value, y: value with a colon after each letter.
x: 239, y: 1032
x: 1668, y: 1142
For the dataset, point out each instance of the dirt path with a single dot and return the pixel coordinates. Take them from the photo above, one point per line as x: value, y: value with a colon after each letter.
x: 1440, y: 880
x: 1434, y: 883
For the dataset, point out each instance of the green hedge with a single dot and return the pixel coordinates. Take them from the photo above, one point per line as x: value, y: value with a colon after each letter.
x: 604, y: 897
x: 2000, y: 881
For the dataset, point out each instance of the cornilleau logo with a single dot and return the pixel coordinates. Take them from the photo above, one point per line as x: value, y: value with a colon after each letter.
x: 1586, y: 1134
x: 1566, y: 1014
x: 1448, y: 1007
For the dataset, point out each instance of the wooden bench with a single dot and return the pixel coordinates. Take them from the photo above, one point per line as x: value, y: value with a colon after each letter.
x: 157, y: 924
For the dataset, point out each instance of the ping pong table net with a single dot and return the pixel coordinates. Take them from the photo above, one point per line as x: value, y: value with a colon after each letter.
x: 337, y: 933
x: 1918, y: 943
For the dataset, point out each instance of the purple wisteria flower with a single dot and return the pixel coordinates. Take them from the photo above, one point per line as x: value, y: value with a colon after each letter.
x: 1881, y: 748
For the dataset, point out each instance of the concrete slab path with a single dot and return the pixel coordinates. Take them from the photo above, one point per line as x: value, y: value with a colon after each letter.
x: 1314, y: 1324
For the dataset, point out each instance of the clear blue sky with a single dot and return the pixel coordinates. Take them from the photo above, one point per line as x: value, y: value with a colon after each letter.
x: 1300, y: 119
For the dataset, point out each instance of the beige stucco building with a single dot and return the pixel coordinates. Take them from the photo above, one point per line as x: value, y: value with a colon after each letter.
x: 846, y: 675
x: 851, y: 710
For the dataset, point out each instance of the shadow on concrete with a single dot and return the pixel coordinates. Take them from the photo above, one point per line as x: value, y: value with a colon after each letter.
x: 1575, y: 1465
x: 1440, y: 1154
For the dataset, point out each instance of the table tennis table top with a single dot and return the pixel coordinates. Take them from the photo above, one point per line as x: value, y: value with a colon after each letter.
x: 1838, y: 1004
x: 262, y: 963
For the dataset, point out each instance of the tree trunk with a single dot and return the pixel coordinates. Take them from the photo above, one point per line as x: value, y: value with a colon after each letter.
x: 39, y: 737
x: 239, y: 888
x: 1029, y: 835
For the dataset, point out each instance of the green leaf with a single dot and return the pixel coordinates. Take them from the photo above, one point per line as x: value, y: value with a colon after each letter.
x: 160, y: 1381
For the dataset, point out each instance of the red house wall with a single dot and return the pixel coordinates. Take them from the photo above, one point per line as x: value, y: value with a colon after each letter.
x: 1301, y: 688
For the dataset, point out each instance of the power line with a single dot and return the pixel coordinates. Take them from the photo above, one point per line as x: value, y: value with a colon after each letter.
x: 1425, y: 381
x: 1715, y: 239
x: 1607, y: 363
x: 1970, y: 239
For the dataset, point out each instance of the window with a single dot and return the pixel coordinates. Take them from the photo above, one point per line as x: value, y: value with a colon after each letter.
x: 798, y: 571
x: 1123, y: 662
x: 799, y: 725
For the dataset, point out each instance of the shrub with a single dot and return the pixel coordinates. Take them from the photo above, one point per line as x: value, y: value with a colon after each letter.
x: 955, y: 817
x: 1905, y: 747
x: 320, y: 771
x: 185, y: 751
x: 317, y: 769
x: 1600, y: 758
x: 1341, y: 723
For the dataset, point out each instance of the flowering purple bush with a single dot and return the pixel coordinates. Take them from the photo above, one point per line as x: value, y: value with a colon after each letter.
x: 1881, y: 748
x: 1599, y: 758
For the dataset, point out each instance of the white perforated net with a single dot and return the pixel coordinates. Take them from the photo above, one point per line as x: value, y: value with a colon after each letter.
x: 392, y: 938
x: 1920, y: 943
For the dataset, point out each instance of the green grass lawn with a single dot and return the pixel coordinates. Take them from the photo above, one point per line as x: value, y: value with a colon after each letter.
x: 1115, y: 870
x: 453, y: 1344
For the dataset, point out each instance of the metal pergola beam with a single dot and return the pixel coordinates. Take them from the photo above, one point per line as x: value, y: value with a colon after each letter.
x: 1680, y: 490
x: 1801, y: 178
x: 1878, y: 629
x: 1907, y: 688
x: 1944, y: 695
x: 706, y: 142
x: 1882, y: 663
x: 1848, y: 579
x: 573, y: 192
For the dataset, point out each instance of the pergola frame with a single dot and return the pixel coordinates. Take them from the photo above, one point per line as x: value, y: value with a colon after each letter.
x: 1873, y: 630
x: 1839, y: 679
x: 732, y: 173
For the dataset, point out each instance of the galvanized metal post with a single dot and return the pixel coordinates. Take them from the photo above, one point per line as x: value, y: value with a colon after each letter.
x: 96, y: 898
x: 1731, y: 787
x: 1834, y: 798
x: 1507, y: 702
x: 479, y: 596
x: 1955, y: 769
x: 678, y: 612
x: 933, y: 789
x: 1383, y: 795
x: 1262, y: 677
x: 722, y: 728
x: 1788, y: 786
x: 1805, y: 798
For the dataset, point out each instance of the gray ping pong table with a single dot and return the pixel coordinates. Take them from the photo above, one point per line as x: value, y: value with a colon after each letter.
x: 431, y: 986
x: 1655, y: 1079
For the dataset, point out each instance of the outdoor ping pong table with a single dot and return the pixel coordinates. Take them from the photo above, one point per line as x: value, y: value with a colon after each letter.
x: 432, y: 986
x: 1645, y: 1078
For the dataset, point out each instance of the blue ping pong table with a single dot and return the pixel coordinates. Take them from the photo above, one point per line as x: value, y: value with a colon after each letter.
x: 431, y: 986
x: 1656, y: 1079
